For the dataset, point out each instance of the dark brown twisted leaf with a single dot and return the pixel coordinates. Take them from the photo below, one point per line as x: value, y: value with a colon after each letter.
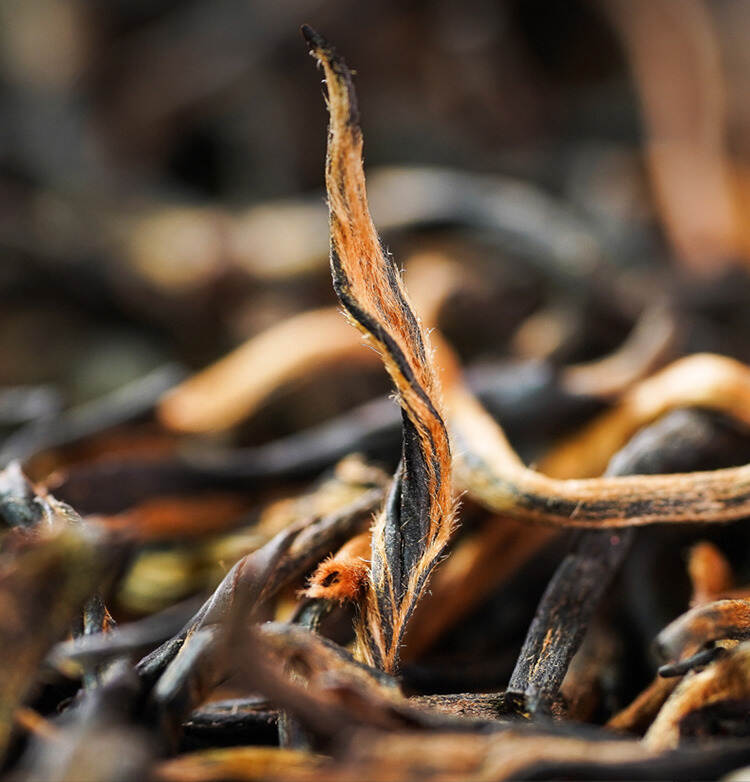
x: 411, y: 532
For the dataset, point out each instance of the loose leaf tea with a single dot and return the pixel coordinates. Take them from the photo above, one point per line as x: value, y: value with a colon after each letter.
x: 226, y: 552
x: 415, y: 525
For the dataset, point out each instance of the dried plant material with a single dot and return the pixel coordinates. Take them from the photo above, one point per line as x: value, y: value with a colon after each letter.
x: 544, y: 332
x: 246, y: 720
x: 475, y: 564
x: 648, y: 346
x: 326, y: 667
x: 476, y: 705
x: 355, y: 471
x: 22, y: 404
x: 563, y: 616
x: 328, y: 708
x: 527, y: 397
x: 491, y: 472
x: 188, y: 678
x: 190, y: 663
x: 249, y: 577
x: 238, y: 763
x: 163, y: 518
x: 414, y: 527
x: 25, y: 507
x: 352, y: 476
x: 686, y: 125
x: 321, y: 534
x: 512, y: 754
x: 95, y: 737
x: 449, y: 756
x: 640, y: 713
x: 431, y: 279
x: 701, y: 380
x: 174, y: 249
x: 180, y: 249
x: 122, y: 405
x: 579, y: 583
x: 725, y: 679
x: 478, y: 563
x: 519, y: 754
x: 332, y: 694
x: 232, y: 389
x: 538, y: 228
x: 582, y: 689
x: 446, y: 757
x: 124, y: 639
x: 710, y: 573
x: 19, y: 504
x: 43, y: 587
x: 702, y: 625
x: 342, y: 576
x: 261, y: 574
x: 32, y: 722
x: 393, y: 671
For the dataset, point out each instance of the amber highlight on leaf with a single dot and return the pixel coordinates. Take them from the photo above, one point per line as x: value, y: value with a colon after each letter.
x: 710, y: 573
x: 342, y: 576
x: 720, y: 620
x: 640, y: 713
x: 236, y: 387
x: 648, y: 346
x: 701, y: 380
x: 411, y: 532
x: 238, y: 763
x: 727, y: 679
x: 492, y: 473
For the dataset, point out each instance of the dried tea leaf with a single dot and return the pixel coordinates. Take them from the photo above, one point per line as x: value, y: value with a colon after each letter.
x: 416, y: 523
x: 343, y: 575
